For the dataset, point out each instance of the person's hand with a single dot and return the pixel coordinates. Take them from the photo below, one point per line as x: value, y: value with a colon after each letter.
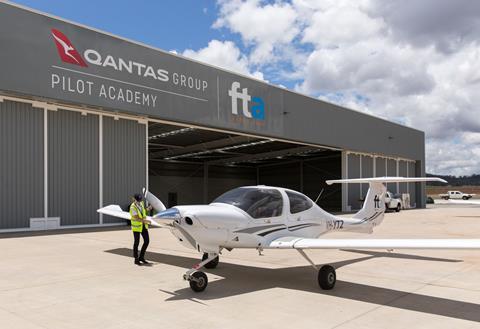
x: 149, y: 208
x: 147, y: 221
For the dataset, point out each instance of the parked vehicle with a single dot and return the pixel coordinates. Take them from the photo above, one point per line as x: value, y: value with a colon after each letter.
x: 456, y: 195
x: 392, y: 202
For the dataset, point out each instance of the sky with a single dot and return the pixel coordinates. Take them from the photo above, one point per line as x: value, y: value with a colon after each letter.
x: 412, y: 62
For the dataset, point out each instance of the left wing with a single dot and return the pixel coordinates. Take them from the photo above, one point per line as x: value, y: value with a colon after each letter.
x: 301, y: 243
x: 116, y: 211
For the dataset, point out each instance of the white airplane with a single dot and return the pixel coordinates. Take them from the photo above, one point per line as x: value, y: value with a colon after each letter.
x: 265, y: 217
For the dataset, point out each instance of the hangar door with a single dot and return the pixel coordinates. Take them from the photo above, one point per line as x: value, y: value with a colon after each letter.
x: 21, y: 164
x: 93, y: 160
x: 64, y: 164
x: 364, y: 165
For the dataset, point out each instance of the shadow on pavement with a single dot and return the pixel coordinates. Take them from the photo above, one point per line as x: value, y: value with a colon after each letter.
x: 241, y: 279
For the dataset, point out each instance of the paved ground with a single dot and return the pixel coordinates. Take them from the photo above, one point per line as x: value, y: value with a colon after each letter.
x: 88, y: 280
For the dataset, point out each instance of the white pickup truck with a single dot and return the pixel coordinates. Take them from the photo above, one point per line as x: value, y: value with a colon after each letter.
x: 392, y: 203
x: 456, y: 195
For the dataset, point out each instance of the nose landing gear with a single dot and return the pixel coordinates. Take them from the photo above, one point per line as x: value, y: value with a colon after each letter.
x: 197, y: 279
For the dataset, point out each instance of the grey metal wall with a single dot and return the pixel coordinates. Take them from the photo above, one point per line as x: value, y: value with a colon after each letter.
x: 402, y: 171
x: 380, y: 167
x: 73, y: 171
x: 124, y: 161
x: 354, y: 189
x: 21, y: 164
x: 392, y: 171
x: 367, y: 171
x: 383, y: 167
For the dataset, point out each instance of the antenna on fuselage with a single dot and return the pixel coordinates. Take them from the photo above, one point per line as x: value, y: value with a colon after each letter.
x: 319, y: 195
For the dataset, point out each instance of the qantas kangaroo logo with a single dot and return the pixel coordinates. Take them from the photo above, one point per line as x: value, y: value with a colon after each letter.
x: 66, y: 50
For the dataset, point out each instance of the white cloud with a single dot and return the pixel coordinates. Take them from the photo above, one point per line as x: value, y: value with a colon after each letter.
x: 413, y: 62
x: 265, y: 26
x: 225, y: 55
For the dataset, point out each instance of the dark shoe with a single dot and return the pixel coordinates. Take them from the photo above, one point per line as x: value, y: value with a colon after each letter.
x: 137, y: 262
x: 144, y: 261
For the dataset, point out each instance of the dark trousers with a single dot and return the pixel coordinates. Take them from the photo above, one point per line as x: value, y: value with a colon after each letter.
x: 146, y: 241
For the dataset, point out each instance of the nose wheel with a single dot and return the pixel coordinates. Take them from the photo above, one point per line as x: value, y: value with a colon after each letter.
x: 197, y: 279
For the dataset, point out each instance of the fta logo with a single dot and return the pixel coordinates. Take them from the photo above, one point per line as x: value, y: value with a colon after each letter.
x: 66, y: 50
x: 257, y: 109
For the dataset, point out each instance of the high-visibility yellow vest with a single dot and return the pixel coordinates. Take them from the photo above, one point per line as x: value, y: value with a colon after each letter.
x: 137, y: 226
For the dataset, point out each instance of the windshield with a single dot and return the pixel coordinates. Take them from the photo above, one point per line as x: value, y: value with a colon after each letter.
x: 257, y: 202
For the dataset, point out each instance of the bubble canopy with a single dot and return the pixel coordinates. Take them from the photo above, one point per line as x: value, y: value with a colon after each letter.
x: 258, y: 202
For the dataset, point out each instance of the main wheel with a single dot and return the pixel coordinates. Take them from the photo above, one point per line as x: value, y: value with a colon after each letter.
x: 465, y: 197
x: 211, y: 264
x: 198, y: 281
x: 398, y: 208
x: 327, y: 277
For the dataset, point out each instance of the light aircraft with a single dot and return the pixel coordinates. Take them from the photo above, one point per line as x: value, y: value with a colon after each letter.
x: 264, y: 217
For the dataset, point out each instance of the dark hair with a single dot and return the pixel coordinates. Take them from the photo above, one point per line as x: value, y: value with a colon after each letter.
x: 138, y: 197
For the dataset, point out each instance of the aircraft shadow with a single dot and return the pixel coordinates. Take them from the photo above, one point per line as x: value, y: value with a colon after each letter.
x: 241, y: 279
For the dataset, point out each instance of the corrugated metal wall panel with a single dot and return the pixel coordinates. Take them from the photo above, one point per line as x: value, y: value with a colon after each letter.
x: 412, y: 186
x: 124, y: 147
x: 354, y: 189
x: 380, y: 168
x: 392, y: 171
x: 403, y: 173
x: 73, y: 173
x: 21, y: 164
x: 367, y: 171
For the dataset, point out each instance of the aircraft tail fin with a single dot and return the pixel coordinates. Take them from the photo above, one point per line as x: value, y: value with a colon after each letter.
x: 373, y: 209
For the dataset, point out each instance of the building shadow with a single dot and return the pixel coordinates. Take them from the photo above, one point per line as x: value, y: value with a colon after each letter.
x: 241, y: 279
x: 63, y: 231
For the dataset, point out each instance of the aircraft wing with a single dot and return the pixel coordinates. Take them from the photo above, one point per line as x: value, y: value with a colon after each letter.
x: 115, y: 211
x: 301, y: 243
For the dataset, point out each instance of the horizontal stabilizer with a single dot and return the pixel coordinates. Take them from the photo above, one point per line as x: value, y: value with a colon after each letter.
x: 300, y: 243
x: 387, y: 180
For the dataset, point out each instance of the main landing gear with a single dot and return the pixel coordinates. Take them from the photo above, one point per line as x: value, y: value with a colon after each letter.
x: 197, y: 279
x: 327, y: 276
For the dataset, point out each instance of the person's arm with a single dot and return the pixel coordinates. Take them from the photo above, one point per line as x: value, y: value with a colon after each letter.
x: 138, y: 219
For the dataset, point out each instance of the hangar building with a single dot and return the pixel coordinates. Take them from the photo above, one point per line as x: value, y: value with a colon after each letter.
x: 88, y: 118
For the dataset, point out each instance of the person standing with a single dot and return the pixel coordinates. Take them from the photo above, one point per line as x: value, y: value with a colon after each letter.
x: 139, y: 223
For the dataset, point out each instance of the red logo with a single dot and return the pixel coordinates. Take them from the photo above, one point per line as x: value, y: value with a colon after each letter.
x: 66, y: 50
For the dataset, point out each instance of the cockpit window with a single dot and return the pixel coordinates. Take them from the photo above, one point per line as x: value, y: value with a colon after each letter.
x: 257, y: 202
x: 298, y: 202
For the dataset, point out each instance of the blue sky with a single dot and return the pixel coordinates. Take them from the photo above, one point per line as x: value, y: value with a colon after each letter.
x: 166, y: 24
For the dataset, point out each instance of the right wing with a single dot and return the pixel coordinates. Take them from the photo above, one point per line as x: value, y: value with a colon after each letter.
x: 301, y: 243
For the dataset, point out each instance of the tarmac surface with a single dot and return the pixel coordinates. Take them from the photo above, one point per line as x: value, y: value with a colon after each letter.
x: 88, y: 280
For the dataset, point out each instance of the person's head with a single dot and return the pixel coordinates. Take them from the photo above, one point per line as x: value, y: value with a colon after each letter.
x: 137, y: 197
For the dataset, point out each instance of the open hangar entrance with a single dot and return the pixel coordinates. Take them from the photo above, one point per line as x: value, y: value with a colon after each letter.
x: 190, y: 165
